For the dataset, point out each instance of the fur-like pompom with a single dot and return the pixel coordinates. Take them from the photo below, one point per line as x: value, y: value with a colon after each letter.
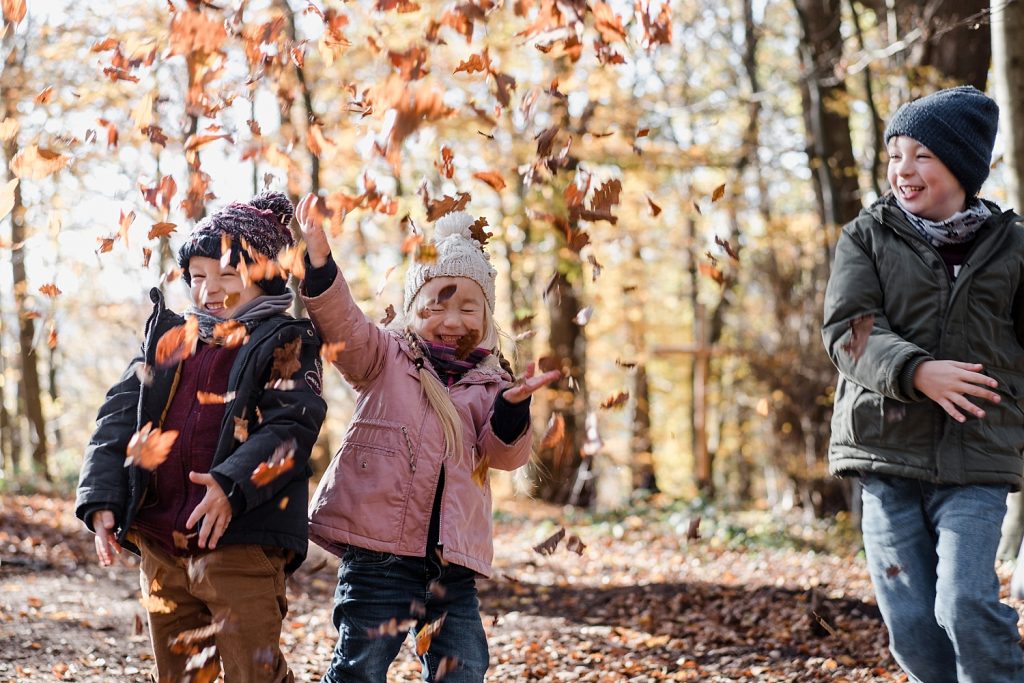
x: 454, y: 223
x: 277, y: 203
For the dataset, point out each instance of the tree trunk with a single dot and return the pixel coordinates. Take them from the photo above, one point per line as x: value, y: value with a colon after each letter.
x: 641, y: 448
x: 956, y: 43
x: 29, y: 391
x: 8, y: 458
x: 1008, y: 72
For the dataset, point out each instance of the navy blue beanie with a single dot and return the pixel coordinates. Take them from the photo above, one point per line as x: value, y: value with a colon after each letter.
x: 259, y: 226
x: 958, y: 125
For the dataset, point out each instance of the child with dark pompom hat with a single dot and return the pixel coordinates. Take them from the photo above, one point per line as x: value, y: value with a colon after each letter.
x: 217, y: 417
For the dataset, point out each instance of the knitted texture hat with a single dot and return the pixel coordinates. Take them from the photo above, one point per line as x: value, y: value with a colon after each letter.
x: 958, y: 125
x: 458, y: 255
x: 259, y: 226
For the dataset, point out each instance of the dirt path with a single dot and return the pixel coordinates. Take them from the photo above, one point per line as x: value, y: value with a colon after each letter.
x: 639, y: 604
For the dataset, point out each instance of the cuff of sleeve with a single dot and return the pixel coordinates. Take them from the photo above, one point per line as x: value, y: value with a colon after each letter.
x: 509, y: 420
x: 233, y: 492
x: 907, y: 378
x: 319, y: 280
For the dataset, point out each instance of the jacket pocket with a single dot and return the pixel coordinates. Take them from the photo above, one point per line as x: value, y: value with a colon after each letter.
x: 1001, y: 431
x: 373, y: 480
x: 890, y: 424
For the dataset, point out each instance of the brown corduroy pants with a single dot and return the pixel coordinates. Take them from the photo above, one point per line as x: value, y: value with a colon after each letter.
x: 232, y: 598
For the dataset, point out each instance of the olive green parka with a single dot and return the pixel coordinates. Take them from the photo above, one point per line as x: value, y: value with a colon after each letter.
x: 889, y: 278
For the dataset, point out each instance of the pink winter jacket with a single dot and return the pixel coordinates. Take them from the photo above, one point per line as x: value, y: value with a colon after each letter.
x: 379, y: 489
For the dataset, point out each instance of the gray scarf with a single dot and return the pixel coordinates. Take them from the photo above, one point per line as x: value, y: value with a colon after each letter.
x: 249, y: 314
x: 957, y: 229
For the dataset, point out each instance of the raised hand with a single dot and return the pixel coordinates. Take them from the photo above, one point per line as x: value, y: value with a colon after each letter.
x: 313, y: 233
x: 950, y: 382
x: 214, y: 509
x: 530, y: 383
x: 105, y: 540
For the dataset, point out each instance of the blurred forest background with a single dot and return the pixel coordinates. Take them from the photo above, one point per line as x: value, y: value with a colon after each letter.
x: 664, y: 180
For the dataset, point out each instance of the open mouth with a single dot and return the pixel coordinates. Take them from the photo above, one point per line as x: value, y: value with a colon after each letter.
x: 910, y: 191
x: 213, y: 307
x: 450, y: 340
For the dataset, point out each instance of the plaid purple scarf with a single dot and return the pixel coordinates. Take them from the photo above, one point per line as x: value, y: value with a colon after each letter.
x: 449, y: 368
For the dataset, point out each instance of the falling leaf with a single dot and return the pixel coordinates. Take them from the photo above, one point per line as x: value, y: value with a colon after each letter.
x: 596, y: 266
x: 51, y: 337
x: 892, y: 571
x: 475, y: 63
x: 389, y: 315
x: 45, y: 95
x: 446, y: 205
x: 860, y: 332
x: 583, y: 316
x: 555, y: 431
x: 287, y: 360
x: 157, y: 605
x: 426, y: 634
x: 50, y: 290
x: 718, y: 193
x: 712, y: 272
x: 693, y: 529
x: 34, y: 163
x: 615, y: 400
x: 281, y: 460
x: 181, y: 540
x: 123, y: 223
x: 550, y: 544
x: 149, y: 447
x: 9, y: 128
x: 446, y: 666
x: 477, y: 232
x: 207, y: 398
x: 14, y: 11
x: 230, y: 334
x: 733, y: 254
x: 655, y: 209
x: 575, y: 544
x: 391, y: 628
x: 241, y: 431
x: 178, y: 343
x: 182, y: 643
x: 160, y: 230
x: 466, y: 344
x: 492, y: 178
x: 329, y: 351
x: 446, y: 166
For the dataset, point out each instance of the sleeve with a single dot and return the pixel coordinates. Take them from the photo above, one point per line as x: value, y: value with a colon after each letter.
x: 509, y: 419
x: 103, y: 480
x: 503, y: 455
x: 292, y: 415
x: 319, y: 280
x: 886, y: 362
x: 338, y: 319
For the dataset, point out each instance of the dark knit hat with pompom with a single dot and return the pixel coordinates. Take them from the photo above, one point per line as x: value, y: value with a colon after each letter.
x: 259, y: 226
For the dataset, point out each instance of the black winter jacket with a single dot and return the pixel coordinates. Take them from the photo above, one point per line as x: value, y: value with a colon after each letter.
x: 273, y: 514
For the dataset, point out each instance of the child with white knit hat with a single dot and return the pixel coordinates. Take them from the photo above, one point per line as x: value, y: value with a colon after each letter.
x: 406, y: 502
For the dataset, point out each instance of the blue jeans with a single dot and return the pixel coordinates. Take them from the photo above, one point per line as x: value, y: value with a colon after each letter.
x: 931, y: 552
x: 375, y: 589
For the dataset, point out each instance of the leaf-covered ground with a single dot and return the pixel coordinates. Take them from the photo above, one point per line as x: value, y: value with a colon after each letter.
x: 748, y: 601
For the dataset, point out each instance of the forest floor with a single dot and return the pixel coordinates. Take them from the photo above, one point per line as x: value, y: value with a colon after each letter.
x: 655, y: 595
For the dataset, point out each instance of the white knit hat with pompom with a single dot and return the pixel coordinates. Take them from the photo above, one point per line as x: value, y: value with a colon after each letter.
x: 458, y: 255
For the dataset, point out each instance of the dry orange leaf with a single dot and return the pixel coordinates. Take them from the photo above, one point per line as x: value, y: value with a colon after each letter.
x: 281, y: 461
x: 45, y: 95
x: 160, y: 230
x: 718, y: 193
x: 14, y: 10
x: 51, y: 337
x: 555, y: 432
x: 241, y: 429
x: 615, y: 400
x: 157, y: 605
x: 123, y: 223
x: 50, y: 290
x: 35, y: 163
x: 149, y: 447
x: 330, y: 351
x: 426, y: 634
x: 286, y: 360
x: 9, y: 127
x: 492, y: 178
x: 178, y: 343
x: 230, y: 333
x: 550, y: 544
x: 209, y: 398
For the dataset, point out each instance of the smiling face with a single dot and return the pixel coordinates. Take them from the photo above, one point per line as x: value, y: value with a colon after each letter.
x: 219, y: 290
x: 448, y: 308
x: 923, y: 184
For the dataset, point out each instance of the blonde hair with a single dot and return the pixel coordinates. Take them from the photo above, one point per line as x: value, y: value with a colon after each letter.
x: 437, y: 394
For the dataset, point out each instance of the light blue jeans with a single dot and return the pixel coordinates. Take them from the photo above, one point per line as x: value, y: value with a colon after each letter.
x: 377, y: 593
x: 931, y: 552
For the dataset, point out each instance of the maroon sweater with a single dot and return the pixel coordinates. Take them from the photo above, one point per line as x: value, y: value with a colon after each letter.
x: 171, y: 497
